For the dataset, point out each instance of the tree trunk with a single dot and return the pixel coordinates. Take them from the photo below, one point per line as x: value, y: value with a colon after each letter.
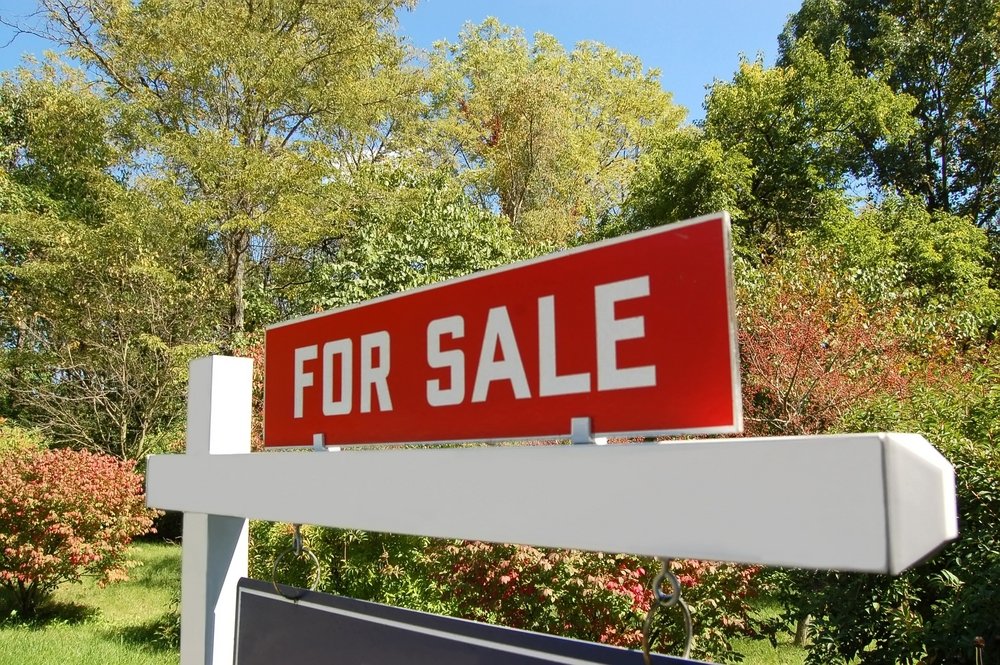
x: 237, y: 244
x: 801, y: 632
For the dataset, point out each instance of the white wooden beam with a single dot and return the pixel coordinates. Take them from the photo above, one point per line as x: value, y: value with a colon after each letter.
x: 215, y: 552
x: 866, y: 502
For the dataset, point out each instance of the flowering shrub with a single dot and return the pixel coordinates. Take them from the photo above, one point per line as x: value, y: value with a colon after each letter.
x: 64, y: 514
x: 596, y: 597
x: 593, y: 596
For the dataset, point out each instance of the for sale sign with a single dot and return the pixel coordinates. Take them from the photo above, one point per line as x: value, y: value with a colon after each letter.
x: 636, y: 333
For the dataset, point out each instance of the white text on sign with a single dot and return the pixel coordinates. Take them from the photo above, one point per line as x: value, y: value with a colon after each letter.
x: 499, y: 360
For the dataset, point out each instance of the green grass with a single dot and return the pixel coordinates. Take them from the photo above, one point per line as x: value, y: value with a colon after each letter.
x: 760, y: 652
x: 117, y: 625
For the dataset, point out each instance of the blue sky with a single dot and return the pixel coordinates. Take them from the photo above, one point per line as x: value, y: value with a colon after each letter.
x: 692, y: 42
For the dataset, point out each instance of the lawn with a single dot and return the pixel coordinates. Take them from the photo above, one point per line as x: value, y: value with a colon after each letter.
x: 116, y: 625
x: 760, y: 652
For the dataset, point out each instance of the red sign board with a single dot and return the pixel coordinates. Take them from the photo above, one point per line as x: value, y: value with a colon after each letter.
x: 636, y: 333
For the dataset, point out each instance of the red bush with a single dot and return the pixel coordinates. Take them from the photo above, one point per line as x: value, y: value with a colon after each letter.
x: 561, y: 592
x: 811, y: 350
x: 592, y: 596
x: 64, y: 514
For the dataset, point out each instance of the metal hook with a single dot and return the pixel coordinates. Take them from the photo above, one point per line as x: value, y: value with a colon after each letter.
x: 297, y: 549
x: 661, y: 599
x: 665, y: 599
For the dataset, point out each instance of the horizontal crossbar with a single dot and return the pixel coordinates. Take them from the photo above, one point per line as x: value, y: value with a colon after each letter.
x: 866, y: 502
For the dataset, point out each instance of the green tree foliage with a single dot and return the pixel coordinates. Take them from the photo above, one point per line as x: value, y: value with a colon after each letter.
x: 244, y: 110
x: 931, y: 269
x: 103, y: 295
x: 64, y: 514
x: 409, y: 231
x: 57, y: 146
x: 946, y: 56
x: 54, y: 150
x: 110, y: 320
x: 682, y: 175
x: 778, y: 148
x: 547, y: 137
x: 807, y: 128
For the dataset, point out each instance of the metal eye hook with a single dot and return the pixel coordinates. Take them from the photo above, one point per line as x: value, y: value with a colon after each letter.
x: 661, y: 599
x: 297, y: 550
x: 666, y: 599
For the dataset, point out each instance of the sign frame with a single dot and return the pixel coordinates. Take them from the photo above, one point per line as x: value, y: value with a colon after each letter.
x: 887, y: 498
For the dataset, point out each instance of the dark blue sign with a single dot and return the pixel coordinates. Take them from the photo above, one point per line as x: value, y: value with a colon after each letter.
x: 320, y: 628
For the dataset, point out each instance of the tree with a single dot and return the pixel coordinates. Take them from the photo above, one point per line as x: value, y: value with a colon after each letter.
x: 931, y: 269
x: 110, y: 321
x: 808, y: 129
x: 105, y: 295
x: 227, y: 100
x: 412, y: 230
x: 54, y: 151
x: 779, y: 148
x: 547, y: 138
x: 946, y: 56
x: 682, y: 175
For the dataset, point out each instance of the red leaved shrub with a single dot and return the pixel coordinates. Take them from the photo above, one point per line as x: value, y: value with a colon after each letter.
x: 561, y: 592
x: 63, y: 514
x: 592, y: 596
x: 811, y: 350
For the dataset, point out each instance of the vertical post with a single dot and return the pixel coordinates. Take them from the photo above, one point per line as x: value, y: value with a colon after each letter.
x: 215, y: 547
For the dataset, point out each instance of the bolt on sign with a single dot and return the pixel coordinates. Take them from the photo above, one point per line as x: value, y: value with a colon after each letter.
x: 636, y: 333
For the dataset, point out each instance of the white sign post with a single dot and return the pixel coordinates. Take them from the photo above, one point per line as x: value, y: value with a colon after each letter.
x: 215, y: 552
x: 865, y: 502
